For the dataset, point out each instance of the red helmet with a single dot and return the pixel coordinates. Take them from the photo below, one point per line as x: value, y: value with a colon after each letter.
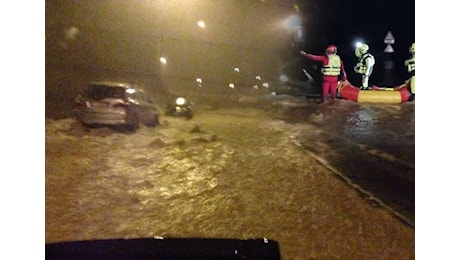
x: 331, y: 49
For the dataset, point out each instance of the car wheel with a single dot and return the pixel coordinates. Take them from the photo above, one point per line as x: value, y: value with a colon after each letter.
x: 134, y: 125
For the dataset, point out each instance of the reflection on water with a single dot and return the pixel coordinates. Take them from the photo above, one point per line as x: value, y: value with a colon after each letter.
x: 362, y: 118
x: 379, y: 125
x: 372, y: 144
x: 361, y: 123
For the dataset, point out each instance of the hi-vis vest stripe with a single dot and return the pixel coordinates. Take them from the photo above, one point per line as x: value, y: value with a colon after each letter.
x: 333, y: 66
x: 361, y: 65
x: 410, y: 64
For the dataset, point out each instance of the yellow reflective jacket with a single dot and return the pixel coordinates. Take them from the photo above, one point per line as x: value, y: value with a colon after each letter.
x: 365, y: 64
x: 410, y: 64
x: 332, y: 68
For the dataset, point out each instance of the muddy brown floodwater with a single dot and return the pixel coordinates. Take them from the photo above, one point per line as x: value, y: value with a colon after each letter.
x: 236, y: 172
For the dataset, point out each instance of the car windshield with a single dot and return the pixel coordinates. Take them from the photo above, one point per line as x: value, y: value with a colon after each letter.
x: 98, y: 92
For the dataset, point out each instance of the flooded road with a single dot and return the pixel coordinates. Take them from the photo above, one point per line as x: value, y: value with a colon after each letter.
x: 371, y: 146
x: 238, y: 172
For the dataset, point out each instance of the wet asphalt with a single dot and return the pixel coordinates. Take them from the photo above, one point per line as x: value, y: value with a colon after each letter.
x: 371, y: 146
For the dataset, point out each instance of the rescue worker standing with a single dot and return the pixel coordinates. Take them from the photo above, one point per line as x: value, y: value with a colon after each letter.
x: 365, y: 64
x: 410, y: 64
x: 332, y: 68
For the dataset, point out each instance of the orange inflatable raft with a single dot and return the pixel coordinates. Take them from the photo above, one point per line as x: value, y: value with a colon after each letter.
x: 397, y: 94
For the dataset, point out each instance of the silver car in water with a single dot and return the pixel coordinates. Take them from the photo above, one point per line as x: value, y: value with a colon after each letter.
x: 115, y: 104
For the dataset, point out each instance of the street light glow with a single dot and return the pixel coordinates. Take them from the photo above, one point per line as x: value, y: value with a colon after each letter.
x: 72, y: 33
x: 163, y: 60
x: 292, y: 22
x: 201, y: 24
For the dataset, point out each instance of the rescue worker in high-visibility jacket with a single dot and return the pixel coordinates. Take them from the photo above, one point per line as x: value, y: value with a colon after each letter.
x: 365, y: 64
x: 332, y: 68
x: 410, y: 64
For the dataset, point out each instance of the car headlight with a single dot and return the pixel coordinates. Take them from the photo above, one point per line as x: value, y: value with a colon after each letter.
x: 180, y: 101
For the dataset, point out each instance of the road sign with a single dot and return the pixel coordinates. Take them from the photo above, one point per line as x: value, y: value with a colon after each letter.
x: 389, y: 49
x: 389, y: 39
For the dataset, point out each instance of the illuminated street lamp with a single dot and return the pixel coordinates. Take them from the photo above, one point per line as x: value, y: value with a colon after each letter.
x: 199, y: 81
x: 201, y: 24
x: 163, y: 60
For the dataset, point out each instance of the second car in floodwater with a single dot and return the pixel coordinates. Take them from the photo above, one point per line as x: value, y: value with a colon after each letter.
x: 181, y: 107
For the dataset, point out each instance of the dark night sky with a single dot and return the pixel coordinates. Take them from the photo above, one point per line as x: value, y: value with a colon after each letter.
x: 339, y: 22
